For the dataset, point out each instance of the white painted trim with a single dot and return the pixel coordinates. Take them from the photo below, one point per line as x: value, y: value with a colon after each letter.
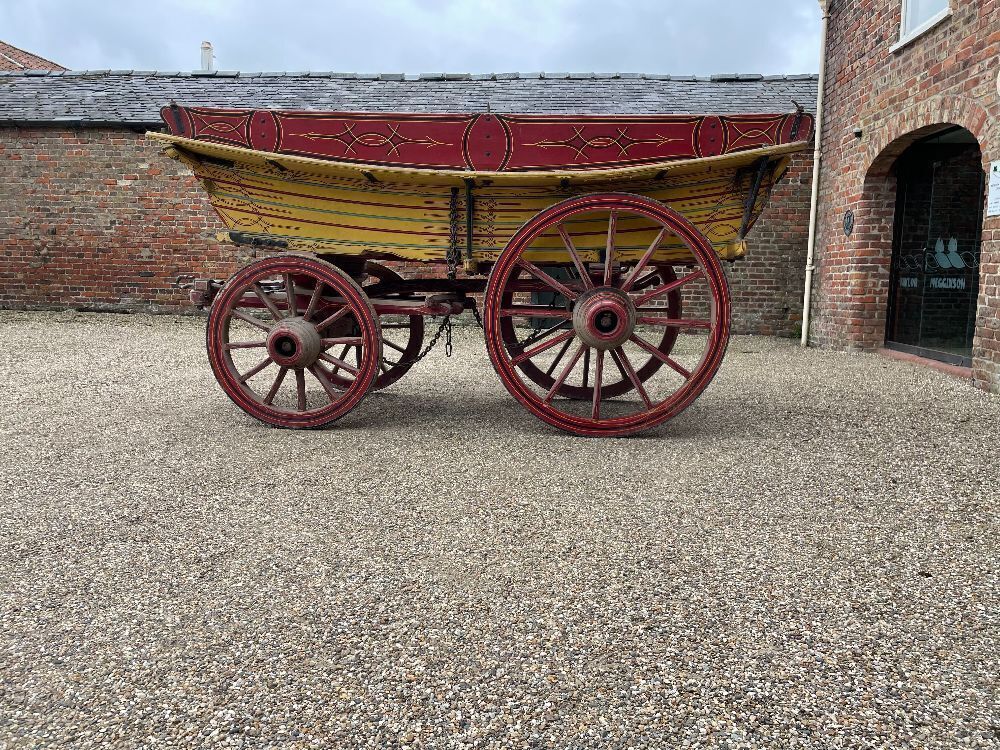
x: 930, y: 23
x: 11, y: 60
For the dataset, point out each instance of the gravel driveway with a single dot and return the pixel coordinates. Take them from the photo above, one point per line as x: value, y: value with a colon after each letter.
x: 807, y: 557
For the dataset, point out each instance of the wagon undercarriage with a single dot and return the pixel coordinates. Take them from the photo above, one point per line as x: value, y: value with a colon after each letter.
x: 586, y: 346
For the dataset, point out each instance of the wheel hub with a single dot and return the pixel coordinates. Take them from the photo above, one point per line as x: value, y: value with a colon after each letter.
x: 294, y: 342
x: 604, y: 318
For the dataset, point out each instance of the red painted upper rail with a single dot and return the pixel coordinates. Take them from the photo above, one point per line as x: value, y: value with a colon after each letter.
x: 488, y: 142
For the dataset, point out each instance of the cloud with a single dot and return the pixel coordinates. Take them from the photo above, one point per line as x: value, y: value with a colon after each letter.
x: 415, y: 36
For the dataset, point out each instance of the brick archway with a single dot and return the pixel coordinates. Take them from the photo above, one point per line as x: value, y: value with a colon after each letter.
x: 884, y: 144
x: 869, y: 250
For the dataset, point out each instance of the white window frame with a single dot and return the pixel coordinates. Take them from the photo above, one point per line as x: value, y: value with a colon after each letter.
x: 907, y: 37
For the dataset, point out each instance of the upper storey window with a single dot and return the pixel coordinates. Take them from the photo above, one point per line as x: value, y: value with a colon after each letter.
x: 920, y: 15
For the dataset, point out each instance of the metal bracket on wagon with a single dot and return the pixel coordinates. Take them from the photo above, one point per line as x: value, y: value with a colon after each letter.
x: 201, y: 291
x: 252, y: 240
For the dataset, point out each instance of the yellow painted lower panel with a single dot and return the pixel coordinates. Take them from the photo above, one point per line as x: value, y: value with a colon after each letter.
x: 352, y: 212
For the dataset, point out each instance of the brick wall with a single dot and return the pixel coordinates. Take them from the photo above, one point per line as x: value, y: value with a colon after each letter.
x: 96, y: 219
x: 767, y: 285
x: 947, y: 77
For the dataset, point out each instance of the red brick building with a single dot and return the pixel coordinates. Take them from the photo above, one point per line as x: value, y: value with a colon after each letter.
x: 93, y: 217
x: 12, y: 58
x: 908, y: 255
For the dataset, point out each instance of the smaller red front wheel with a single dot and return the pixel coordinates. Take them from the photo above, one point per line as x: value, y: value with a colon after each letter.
x: 270, y: 334
x: 617, y: 304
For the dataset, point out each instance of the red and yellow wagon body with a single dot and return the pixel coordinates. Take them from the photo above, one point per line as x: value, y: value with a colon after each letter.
x: 593, y: 232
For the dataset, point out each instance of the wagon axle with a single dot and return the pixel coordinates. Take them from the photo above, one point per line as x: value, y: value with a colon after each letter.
x: 294, y: 342
x: 604, y: 318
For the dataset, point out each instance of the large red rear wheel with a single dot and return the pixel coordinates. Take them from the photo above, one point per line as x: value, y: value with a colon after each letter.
x: 270, y: 335
x: 614, y: 314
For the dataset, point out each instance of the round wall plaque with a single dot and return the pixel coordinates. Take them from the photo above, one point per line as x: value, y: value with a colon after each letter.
x: 848, y: 223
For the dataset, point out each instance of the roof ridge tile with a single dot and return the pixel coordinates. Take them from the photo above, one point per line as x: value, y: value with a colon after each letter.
x: 133, y: 98
x: 579, y: 75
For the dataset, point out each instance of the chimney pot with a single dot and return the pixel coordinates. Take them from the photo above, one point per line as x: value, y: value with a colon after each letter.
x: 207, y: 57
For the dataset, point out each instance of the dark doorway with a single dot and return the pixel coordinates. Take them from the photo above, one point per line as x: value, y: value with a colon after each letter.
x: 934, y: 280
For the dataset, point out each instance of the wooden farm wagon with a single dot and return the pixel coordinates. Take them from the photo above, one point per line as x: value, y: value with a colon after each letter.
x: 596, y: 243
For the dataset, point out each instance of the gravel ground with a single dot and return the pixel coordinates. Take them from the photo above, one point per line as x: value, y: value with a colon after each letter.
x: 807, y: 557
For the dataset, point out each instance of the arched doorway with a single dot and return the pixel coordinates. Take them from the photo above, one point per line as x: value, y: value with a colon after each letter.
x: 936, y: 245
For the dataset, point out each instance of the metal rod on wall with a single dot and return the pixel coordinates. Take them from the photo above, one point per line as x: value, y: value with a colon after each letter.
x: 817, y: 163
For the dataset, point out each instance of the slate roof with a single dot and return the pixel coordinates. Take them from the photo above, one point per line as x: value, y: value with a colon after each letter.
x: 14, y: 58
x: 133, y: 98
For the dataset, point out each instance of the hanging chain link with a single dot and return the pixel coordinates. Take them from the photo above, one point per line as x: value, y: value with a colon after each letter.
x: 452, y: 257
x: 445, y: 326
x: 453, y: 252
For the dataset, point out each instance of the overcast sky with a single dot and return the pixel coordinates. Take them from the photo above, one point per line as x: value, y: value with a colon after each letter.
x: 423, y: 36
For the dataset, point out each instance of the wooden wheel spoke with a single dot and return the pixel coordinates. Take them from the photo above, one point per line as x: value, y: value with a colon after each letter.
x: 609, y: 251
x: 586, y: 367
x: 265, y: 298
x: 300, y: 388
x: 269, y: 398
x: 539, y: 274
x: 314, y: 300
x: 343, y: 356
x: 672, y: 322
x: 621, y: 359
x: 558, y: 359
x: 245, y: 344
x: 565, y: 373
x: 560, y: 326
x: 323, y: 325
x: 595, y: 411
x: 632, y: 277
x: 544, y: 346
x: 331, y: 390
x: 340, y: 364
x: 246, y: 318
x: 577, y: 260
x: 668, y: 287
x: 392, y: 345
x: 347, y: 340
x: 254, y: 370
x: 535, y: 311
x: 664, y: 358
x: 293, y: 307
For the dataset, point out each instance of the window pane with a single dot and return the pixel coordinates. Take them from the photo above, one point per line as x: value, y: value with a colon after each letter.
x: 918, y: 11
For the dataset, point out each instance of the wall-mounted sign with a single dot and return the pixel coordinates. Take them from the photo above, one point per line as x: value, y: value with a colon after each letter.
x: 993, y: 202
x: 848, y: 223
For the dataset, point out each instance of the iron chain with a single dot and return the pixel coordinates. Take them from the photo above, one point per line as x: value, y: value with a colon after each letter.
x: 445, y: 325
x: 475, y: 314
x: 453, y: 252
